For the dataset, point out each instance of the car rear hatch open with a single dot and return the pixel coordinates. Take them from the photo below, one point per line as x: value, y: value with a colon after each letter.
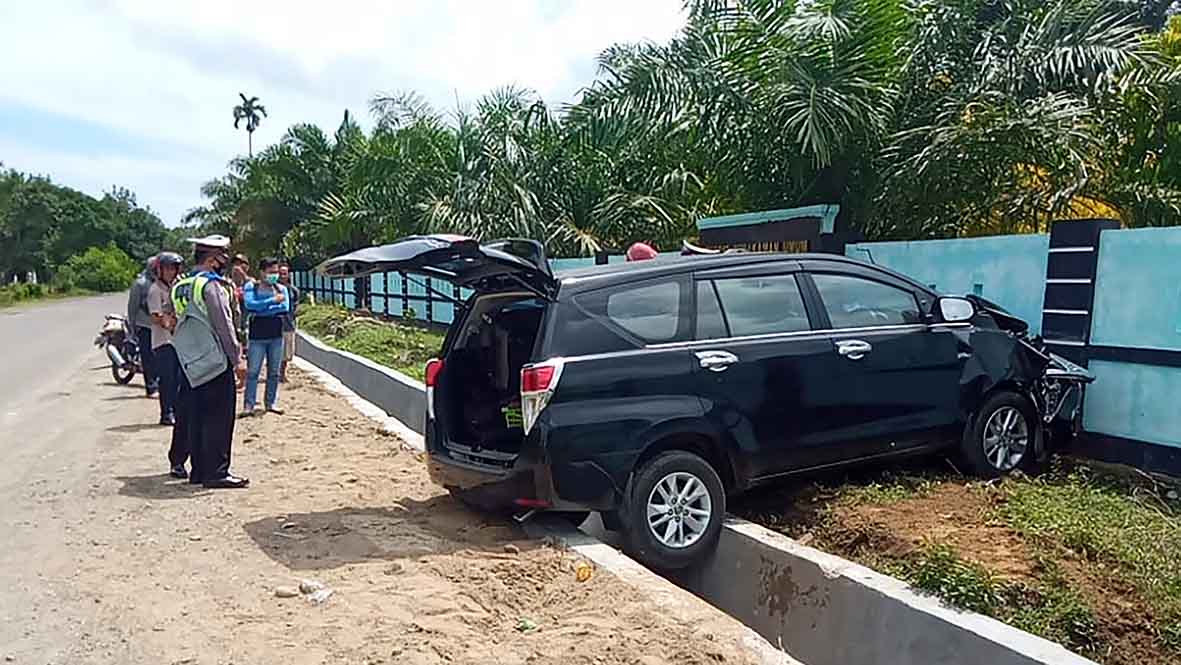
x: 463, y: 261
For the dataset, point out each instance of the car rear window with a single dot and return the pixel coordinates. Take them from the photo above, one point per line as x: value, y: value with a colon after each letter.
x: 648, y: 312
x: 760, y: 305
x: 651, y: 312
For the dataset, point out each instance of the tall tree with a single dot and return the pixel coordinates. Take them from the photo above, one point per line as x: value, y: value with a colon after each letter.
x: 921, y: 118
x: 253, y: 113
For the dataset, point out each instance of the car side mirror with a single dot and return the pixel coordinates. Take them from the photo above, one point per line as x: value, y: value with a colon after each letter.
x: 956, y: 310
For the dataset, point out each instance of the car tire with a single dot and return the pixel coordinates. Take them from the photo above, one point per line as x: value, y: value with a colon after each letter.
x: 1001, y: 436
x: 681, y: 543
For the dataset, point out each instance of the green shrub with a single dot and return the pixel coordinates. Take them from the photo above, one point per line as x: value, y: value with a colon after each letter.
x: 14, y: 293
x: 102, y: 269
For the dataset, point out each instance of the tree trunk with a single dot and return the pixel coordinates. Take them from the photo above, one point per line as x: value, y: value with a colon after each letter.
x: 250, y: 144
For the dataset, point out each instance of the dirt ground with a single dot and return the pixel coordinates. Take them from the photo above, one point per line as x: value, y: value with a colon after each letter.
x: 153, y: 570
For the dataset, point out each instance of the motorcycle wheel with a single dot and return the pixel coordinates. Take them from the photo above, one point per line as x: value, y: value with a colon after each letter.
x: 122, y: 375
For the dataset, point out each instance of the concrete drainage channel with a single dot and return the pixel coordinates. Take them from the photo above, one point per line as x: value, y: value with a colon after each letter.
x: 820, y: 608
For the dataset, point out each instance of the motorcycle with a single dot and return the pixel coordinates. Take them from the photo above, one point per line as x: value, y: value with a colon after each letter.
x: 121, y: 347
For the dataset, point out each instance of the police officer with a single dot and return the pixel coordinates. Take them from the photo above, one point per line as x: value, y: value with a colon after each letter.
x: 209, y: 353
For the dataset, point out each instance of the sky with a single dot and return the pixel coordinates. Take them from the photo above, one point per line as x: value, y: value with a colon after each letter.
x: 139, y: 93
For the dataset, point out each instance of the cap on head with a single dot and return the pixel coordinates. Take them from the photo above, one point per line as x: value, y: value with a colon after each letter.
x: 640, y: 252
x: 215, y: 241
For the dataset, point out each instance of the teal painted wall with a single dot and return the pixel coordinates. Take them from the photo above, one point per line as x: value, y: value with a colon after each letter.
x: 1138, y: 304
x: 1138, y: 289
x: 1008, y: 270
x: 1134, y: 402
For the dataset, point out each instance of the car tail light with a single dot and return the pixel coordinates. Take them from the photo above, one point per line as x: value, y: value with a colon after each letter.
x: 537, y: 378
x: 538, y: 383
x: 433, y: 367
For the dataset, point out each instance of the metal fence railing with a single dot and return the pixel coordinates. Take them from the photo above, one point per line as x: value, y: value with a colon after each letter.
x: 399, y: 295
x: 388, y: 293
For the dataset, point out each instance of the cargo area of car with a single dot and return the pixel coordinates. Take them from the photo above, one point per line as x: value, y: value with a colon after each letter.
x: 478, y: 398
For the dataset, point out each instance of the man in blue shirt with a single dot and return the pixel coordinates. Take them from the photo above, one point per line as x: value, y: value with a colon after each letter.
x: 267, y: 303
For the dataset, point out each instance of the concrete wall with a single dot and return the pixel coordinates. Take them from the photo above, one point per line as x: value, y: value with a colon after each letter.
x: 1008, y: 270
x: 828, y: 611
x: 399, y: 395
x: 1137, y: 304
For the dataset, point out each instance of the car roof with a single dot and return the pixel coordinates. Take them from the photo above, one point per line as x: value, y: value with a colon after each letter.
x: 577, y: 280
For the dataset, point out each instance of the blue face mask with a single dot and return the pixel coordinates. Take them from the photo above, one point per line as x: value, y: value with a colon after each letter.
x: 273, y: 278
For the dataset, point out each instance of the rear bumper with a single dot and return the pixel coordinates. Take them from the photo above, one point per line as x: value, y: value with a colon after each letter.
x: 583, y: 485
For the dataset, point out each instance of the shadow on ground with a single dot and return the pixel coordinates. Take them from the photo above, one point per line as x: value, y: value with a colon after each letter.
x: 157, y: 486
x: 135, y: 428
x: 410, y: 528
x: 114, y: 398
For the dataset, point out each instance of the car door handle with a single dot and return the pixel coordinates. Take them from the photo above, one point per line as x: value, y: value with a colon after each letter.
x: 716, y: 361
x: 854, y: 349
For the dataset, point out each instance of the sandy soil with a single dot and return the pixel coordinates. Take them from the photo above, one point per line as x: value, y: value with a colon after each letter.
x: 116, y: 563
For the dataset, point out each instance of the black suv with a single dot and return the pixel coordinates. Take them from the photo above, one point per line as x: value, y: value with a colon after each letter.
x: 650, y: 391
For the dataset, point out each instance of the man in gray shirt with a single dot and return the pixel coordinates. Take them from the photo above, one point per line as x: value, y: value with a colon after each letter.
x: 140, y: 323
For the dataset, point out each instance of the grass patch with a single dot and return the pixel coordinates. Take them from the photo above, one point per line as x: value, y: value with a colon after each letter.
x: 1108, y: 522
x: 15, y: 294
x: 1048, y: 607
x: 938, y: 570
x: 889, y: 487
x: 403, y: 347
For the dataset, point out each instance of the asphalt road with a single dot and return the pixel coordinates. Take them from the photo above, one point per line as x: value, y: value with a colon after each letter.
x: 42, y: 344
x: 52, y: 414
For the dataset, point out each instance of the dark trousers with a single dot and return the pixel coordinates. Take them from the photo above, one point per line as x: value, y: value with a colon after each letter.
x: 167, y: 372
x: 206, y: 414
x: 147, y: 359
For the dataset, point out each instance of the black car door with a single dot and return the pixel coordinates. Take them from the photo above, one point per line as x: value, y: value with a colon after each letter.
x: 761, y: 367
x: 899, y: 374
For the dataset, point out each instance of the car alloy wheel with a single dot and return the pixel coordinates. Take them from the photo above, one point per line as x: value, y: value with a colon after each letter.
x: 679, y: 510
x: 1006, y: 438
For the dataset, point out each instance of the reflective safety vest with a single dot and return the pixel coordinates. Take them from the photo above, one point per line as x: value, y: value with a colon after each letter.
x: 195, y: 342
x: 186, y: 290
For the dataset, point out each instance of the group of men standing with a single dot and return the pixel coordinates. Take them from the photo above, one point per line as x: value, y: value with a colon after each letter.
x: 201, y: 335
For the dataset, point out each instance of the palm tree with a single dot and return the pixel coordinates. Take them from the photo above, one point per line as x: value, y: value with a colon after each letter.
x: 253, y: 113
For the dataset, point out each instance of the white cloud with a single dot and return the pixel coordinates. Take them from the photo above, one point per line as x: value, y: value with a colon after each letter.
x: 168, y: 73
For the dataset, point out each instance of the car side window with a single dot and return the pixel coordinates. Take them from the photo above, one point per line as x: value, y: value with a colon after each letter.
x: 651, y: 312
x: 710, y: 323
x: 762, y: 305
x: 855, y: 302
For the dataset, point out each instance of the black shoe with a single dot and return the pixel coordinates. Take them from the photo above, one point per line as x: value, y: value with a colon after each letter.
x: 168, y: 420
x: 275, y: 410
x: 230, y: 482
x: 179, y: 472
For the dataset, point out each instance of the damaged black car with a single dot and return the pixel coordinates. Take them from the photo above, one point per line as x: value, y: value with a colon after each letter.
x: 653, y: 391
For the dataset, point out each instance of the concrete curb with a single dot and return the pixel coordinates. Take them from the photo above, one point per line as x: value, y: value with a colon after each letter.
x: 830, y: 611
x: 822, y: 608
x: 395, y: 393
